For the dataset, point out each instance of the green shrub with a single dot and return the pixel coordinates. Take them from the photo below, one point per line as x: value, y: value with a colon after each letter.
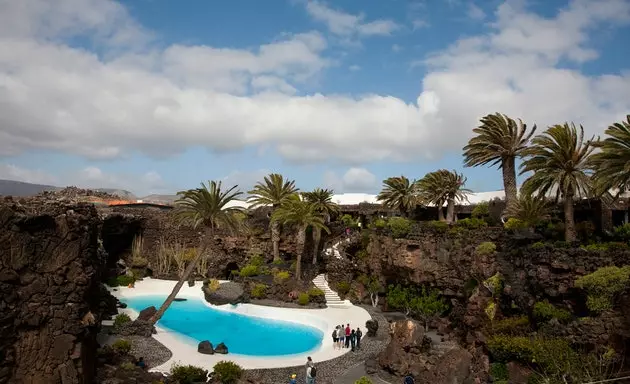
x: 363, y: 279
x: 303, y: 298
x: 514, y: 224
x: 259, y: 291
x: 189, y: 374
x: 127, y: 366
x: 122, y: 346
x: 440, y: 226
x: 277, y: 262
x: 249, y: 270
x: 472, y: 223
x: 494, y: 284
x: 349, y: 221
x: 622, y: 232
x: 486, y: 248
x: 121, y: 320
x: 545, y: 311
x: 362, y: 254
x: 499, y: 372
x: 281, y: 276
x: 399, y: 226
x: 343, y: 287
x: 603, y: 285
x: 481, y: 210
x: 363, y: 380
x: 256, y: 260
x: 562, y: 244
x: 511, y: 325
x: 315, y: 292
x: 227, y: 372
x: 538, y: 245
x: 365, y: 239
x: 547, y: 353
x: 379, y: 223
x: 121, y: 281
x: 139, y: 262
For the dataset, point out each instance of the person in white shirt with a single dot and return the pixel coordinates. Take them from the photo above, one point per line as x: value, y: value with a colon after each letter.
x: 311, y: 372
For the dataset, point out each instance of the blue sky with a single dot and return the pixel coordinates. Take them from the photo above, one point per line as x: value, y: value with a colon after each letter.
x: 155, y: 96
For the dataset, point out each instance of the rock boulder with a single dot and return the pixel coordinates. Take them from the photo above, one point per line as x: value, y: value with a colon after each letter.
x: 221, y: 348
x: 205, y: 347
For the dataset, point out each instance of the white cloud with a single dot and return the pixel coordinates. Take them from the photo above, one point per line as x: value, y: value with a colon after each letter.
x: 420, y: 24
x: 475, y: 13
x: 397, y: 48
x: 161, y: 101
x: 89, y: 177
x: 346, y: 24
x: 354, y: 68
x: 354, y: 180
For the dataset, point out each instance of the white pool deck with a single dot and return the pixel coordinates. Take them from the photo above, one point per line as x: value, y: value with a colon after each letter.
x: 185, y: 349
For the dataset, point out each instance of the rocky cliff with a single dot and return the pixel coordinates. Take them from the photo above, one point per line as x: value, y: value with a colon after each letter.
x: 49, y: 292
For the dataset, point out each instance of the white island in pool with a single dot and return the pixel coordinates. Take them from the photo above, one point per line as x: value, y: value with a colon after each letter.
x: 184, y: 348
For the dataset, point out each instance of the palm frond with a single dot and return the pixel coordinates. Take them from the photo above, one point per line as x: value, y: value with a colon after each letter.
x: 322, y: 200
x: 612, y: 163
x: 441, y: 186
x: 271, y: 191
x: 530, y: 209
x: 296, y: 210
x: 398, y: 193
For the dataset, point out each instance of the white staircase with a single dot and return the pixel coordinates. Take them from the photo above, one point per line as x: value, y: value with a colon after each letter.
x: 334, y: 251
x: 332, y: 298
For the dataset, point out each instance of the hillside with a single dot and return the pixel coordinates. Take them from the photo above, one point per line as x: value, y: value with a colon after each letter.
x: 22, y: 189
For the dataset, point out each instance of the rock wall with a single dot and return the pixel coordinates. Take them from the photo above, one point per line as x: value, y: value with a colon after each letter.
x: 49, y: 292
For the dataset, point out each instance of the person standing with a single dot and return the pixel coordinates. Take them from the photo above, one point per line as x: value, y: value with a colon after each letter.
x: 311, y: 372
x: 359, y: 334
x: 348, y: 336
x: 353, y: 339
x: 335, y: 338
x: 342, y: 336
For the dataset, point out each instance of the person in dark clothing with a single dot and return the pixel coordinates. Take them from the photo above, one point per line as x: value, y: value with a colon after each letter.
x: 353, y: 339
x: 140, y: 363
x: 348, y: 336
x: 409, y: 380
x: 359, y: 334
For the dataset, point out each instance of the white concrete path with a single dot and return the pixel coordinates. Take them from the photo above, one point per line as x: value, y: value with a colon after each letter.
x: 185, y: 349
x: 332, y: 298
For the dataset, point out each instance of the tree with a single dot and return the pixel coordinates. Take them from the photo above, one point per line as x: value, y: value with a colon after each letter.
x: 322, y: 200
x: 441, y: 187
x: 374, y: 288
x: 272, y: 191
x: 398, y: 193
x: 209, y: 207
x: 427, y: 304
x: 559, y: 160
x: 298, y: 211
x: 612, y: 164
x: 529, y: 209
x: 499, y: 141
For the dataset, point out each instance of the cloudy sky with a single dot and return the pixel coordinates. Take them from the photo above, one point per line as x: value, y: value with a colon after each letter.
x: 157, y: 95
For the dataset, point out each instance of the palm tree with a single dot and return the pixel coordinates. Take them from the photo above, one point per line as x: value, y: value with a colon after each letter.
x: 298, y: 211
x: 398, y: 193
x: 443, y: 186
x: 207, y: 206
x: 559, y: 160
x: 272, y: 191
x: 612, y: 164
x: 529, y: 209
x: 499, y: 141
x: 322, y: 200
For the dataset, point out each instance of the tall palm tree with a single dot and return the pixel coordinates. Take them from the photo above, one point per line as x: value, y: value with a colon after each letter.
x: 499, y: 141
x: 322, y: 200
x: 272, y: 191
x: 398, y: 193
x: 559, y: 160
x: 209, y: 207
x: 529, y: 209
x: 443, y: 186
x: 298, y: 211
x: 612, y: 164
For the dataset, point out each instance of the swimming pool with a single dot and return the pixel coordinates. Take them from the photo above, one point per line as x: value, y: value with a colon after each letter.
x: 244, y: 335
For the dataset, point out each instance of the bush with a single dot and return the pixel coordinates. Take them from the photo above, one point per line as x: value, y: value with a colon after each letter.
x: 121, y: 281
x: 259, y: 291
x: 481, y: 210
x: 494, y: 284
x: 603, y: 285
x: 315, y: 292
x: 281, y: 276
x: 189, y: 374
x: 256, y: 260
x: 277, y: 262
x: 486, y: 248
x: 121, y: 320
x: 511, y: 325
x: 472, y: 223
x: 303, y: 298
x: 622, y: 233
x: 343, y: 287
x: 602, y: 247
x: 139, y: 262
x: 249, y: 270
x: 127, y: 366
x: 545, y: 311
x: 362, y: 254
x: 547, y: 353
x: 379, y: 223
x: 213, y: 285
x: 363, y: 380
x: 227, y: 372
x: 538, y: 245
x: 499, y: 372
x: 122, y: 346
x: 349, y: 221
x: 399, y: 226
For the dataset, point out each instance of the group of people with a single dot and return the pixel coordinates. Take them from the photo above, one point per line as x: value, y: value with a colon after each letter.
x: 347, y: 337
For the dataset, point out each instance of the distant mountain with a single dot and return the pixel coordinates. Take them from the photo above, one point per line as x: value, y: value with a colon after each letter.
x: 21, y: 189
x: 163, y: 199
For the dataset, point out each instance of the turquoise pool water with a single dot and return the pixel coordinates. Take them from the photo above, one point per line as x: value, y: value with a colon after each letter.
x: 242, y: 334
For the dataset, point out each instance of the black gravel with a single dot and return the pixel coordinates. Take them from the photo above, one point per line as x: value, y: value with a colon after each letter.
x: 328, y: 371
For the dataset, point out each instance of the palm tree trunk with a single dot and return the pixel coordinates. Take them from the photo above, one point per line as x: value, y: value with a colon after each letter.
x: 275, y: 239
x: 169, y: 300
x: 316, y: 240
x: 569, y: 220
x: 301, y: 240
x: 440, y: 209
x: 450, y: 211
x: 509, y: 181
